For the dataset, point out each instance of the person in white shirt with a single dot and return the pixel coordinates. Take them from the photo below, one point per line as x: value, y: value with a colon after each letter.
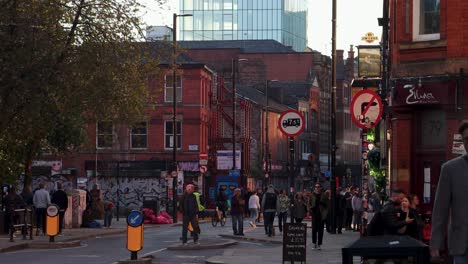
x: 41, y: 200
x: 254, y: 207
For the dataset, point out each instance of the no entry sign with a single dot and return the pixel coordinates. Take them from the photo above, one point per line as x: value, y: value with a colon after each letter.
x: 291, y: 123
x: 366, y: 109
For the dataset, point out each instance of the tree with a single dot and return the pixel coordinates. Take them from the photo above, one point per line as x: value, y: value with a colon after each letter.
x: 66, y: 63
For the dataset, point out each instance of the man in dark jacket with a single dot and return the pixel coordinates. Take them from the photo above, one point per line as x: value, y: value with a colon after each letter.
x: 12, y: 202
x: 189, y: 209
x: 391, y: 224
x: 269, y: 207
x: 237, y: 213
x: 60, y: 198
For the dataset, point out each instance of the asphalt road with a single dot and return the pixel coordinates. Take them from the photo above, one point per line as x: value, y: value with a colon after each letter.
x: 110, y: 249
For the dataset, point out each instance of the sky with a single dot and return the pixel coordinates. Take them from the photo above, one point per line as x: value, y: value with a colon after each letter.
x: 354, y: 19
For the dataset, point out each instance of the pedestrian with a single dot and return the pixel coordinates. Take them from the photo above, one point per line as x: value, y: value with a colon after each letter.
x: 411, y: 229
x: 247, y: 195
x: 189, y: 208
x: 269, y: 208
x: 319, y: 203
x: 108, y: 213
x: 237, y: 213
x: 12, y: 202
x: 254, y: 207
x: 200, y: 201
x: 60, y: 198
x: 450, y: 203
x: 340, y: 206
x: 392, y: 224
x: 41, y: 200
x: 283, y: 208
x: 221, y: 201
x: 356, y: 203
x: 349, y: 208
x: 299, y: 208
x: 418, y: 217
x: 260, y: 213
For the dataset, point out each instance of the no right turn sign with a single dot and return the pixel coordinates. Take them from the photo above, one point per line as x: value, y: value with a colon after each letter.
x: 366, y: 109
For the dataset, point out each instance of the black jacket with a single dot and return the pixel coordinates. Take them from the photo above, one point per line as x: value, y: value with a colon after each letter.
x: 60, y: 198
x: 188, y: 205
x: 390, y: 218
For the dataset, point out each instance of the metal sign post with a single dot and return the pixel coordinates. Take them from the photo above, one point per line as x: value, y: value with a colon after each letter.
x: 134, y: 233
x: 291, y: 123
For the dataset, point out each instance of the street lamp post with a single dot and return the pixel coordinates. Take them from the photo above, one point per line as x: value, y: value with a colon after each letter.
x: 234, y: 69
x: 267, y: 138
x: 333, y: 124
x: 174, y: 108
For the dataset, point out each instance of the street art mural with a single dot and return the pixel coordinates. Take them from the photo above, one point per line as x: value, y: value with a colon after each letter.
x: 128, y: 193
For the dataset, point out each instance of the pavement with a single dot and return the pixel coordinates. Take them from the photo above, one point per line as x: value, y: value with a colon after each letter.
x: 329, y: 253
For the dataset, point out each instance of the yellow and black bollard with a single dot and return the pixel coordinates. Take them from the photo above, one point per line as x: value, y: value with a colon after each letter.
x: 134, y: 233
x: 52, y: 221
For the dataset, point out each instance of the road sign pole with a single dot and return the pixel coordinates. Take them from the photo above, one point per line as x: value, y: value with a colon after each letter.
x: 291, y: 165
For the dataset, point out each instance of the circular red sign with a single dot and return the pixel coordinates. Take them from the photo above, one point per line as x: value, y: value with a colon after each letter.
x: 291, y: 123
x: 366, y: 109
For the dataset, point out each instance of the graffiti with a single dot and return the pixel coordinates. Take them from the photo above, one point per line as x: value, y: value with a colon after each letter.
x: 130, y: 191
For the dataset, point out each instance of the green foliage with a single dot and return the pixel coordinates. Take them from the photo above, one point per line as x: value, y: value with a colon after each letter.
x: 370, y: 135
x: 64, y: 64
x: 373, y: 160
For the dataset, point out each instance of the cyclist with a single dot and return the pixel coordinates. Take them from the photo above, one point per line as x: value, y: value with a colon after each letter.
x: 221, y: 201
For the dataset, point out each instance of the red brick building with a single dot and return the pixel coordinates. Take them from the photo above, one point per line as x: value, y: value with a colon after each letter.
x: 429, y: 53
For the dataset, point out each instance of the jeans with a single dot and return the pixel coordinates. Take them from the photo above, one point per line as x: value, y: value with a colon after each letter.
x: 282, y: 217
x: 41, y: 219
x: 254, y: 214
x: 317, y: 228
x: 185, y: 221
x: 61, y: 216
x: 108, y: 218
x: 238, y: 224
x: 269, y: 219
x: 461, y: 259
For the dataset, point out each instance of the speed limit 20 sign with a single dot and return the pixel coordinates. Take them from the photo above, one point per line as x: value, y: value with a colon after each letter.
x: 291, y: 123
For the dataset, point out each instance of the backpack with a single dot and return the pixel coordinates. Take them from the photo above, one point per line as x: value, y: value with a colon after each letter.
x: 376, y: 227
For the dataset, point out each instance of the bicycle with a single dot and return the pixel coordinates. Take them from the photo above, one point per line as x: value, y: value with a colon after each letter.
x: 217, y: 217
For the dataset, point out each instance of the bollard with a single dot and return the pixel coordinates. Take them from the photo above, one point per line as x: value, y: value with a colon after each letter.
x: 134, y: 233
x: 52, y: 221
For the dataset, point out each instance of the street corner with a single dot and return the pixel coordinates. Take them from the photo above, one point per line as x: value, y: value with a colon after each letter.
x: 54, y: 245
x: 204, y: 244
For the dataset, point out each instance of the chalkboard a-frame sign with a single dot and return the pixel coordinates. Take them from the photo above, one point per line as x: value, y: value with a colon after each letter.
x: 294, y: 243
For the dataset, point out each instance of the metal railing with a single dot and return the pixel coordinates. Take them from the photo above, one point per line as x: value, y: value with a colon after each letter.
x: 21, y: 219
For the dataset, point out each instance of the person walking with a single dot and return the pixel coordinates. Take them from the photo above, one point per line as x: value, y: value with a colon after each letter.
x: 340, y: 206
x: 237, y: 213
x: 299, y: 208
x: 60, y: 198
x: 41, y: 200
x: 283, y: 208
x: 356, y: 203
x: 189, y: 209
x: 108, y: 213
x: 319, y: 208
x: 269, y: 208
x: 12, y: 201
x: 450, y: 204
x: 254, y: 208
x: 349, y: 208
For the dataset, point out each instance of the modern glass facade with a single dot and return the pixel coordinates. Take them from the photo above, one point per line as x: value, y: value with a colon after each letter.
x: 282, y: 20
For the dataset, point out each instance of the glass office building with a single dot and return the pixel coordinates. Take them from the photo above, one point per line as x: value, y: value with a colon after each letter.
x: 281, y: 20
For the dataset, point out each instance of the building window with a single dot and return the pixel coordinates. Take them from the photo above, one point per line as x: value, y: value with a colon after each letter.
x: 168, y: 92
x: 139, y: 135
x: 169, y: 134
x: 105, y: 135
x: 426, y: 20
